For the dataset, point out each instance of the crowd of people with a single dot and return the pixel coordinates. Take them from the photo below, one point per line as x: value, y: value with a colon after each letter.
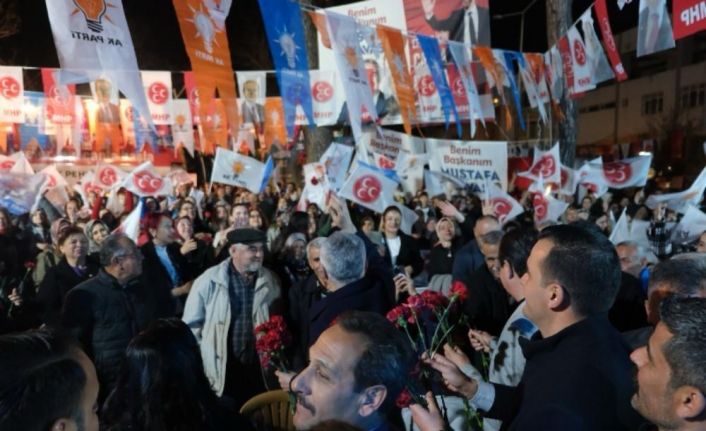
x: 158, y: 332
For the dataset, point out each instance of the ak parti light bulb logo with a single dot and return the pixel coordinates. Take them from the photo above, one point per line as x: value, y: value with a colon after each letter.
x: 93, y: 11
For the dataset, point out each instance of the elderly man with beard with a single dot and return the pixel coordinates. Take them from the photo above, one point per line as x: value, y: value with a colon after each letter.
x: 357, y: 368
x: 224, y: 306
x: 671, y: 373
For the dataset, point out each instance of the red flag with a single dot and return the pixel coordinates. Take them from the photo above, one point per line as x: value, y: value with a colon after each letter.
x: 609, y: 41
x: 688, y: 17
x: 60, y: 99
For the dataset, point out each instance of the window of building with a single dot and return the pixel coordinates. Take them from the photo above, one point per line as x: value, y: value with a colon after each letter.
x: 693, y: 96
x: 652, y: 103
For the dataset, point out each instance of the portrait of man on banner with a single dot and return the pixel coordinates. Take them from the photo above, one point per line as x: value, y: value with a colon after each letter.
x: 654, y: 32
x: 469, y: 23
x: 251, y: 109
x: 106, y: 119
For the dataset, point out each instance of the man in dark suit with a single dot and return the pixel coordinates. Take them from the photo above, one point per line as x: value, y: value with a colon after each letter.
x: 654, y: 31
x: 470, y: 24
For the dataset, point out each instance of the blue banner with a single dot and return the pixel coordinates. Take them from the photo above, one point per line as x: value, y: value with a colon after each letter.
x: 32, y: 130
x: 430, y: 47
x: 509, y: 56
x: 285, y: 36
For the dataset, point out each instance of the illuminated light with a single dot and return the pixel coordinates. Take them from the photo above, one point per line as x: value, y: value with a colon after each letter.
x: 645, y: 153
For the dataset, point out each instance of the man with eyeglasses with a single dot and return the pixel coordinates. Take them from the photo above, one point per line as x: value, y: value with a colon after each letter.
x: 224, y: 306
x: 106, y: 311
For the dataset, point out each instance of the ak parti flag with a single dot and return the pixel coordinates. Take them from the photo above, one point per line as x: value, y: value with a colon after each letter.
x: 202, y: 25
x: 496, y: 73
x: 393, y: 45
x: 275, y: 129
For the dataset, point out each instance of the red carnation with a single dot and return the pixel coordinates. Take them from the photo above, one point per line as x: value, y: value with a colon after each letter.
x: 404, y: 399
x: 271, y: 339
x: 416, y: 303
x: 459, y: 289
x: 30, y: 264
x: 314, y: 181
x: 434, y: 300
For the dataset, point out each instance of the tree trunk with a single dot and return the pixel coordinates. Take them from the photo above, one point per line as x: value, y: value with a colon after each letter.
x: 566, y: 131
x: 10, y: 21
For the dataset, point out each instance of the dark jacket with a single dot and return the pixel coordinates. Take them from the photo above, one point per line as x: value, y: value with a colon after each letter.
x: 578, y: 379
x: 201, y: 259
x: 441, y: 259
x: 468, y: 259
x: 409, y: 254
x: 488, y: 304
x: 104, y: 317
x: 56, y: 284
x: 628, y: 310
x: 301, y: 297
x: 155, y: 276
x: 366, y: 294
x: 455, y: 22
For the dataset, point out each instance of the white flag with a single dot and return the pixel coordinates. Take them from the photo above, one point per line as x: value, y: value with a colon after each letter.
x: 146, y: 181
x: 532, y: 89
x: 504, y: 206
x: 583, y: 80
x: 438, y: 183
x: 21, y: 165
x: 345, y: 41
x: 316, y: 185
x: 409, y: 218
x: 54, y: 178
x: 546, y: 208
x: 87, y: 186
x: 691, y: 226
x: 107, y: 175
x: 410, y: 171
x: 369, y: 188
x: 11, y: 95
x: 93, y: 41
x: 183, y: 127
x: 598, y: 62
x: 336, y: 159
x: 545, y: 164
x: 590, y: 178
x: 621, y: 230
x: 158, y: 89
x: 678, y: 201
x: 459, y: 52
x: 130, y: 227
x: 622, y: 174
x: 237, y: 170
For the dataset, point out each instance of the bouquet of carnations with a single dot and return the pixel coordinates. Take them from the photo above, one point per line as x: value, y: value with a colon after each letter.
x: 428, y: 320
x: 271, y: 340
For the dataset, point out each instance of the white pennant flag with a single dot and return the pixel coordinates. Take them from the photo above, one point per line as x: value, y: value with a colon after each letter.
x: 93, y: 41
x: 183, y: 127
x: 237, y: 170
x: 438, y: 183
x: 158, y: 89
x: 345, y: 41
x: 459, y: 52
x: 654, y: 26
x: 409, y: 218
x: 130, y: 227
x: 11, y: 95
x: 679, y: 201
x: 569, y: 181
x: 21, y: 165
x: 555, y: 73
x: 146, y: 181
x: 532, y: 90
x: 19, y: 192
x: 316, y: 185
x: 600, y: 68
x: 691, y: 226
x: 504, y: 206
x: 107, y: 175
x: 621, y: 229
x: 583, y: 80
x: 591, y: 179
x: 87, y: 186
x: 336, y: 159
x: 622, y: 174
x: 368, y: 188
x: 410, y: 171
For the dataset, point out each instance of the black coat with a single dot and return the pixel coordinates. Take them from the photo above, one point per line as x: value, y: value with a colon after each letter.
x: 155, y: 276
x: 628, y: 310
x: 58, y: 281
x: 104, y: 317
x: 302, y: 296
x: 201, y: 259
x: 367, y: 294
x: 455, y: 22
x: 409, y: 254
x: 488, y: 304
x: 578, y: 379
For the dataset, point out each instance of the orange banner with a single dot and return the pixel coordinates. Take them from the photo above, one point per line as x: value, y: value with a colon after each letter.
x: 213, y: 127
x: 204, y: 34
x: 275, y: 130
x: 393, y: 44
x: 485, y: 55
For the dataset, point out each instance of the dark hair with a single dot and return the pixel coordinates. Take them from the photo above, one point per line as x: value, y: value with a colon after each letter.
x: 10, y: 229
x: 387, y: 358
x: 162, y: 384
x: 152, y: 221
x: 492, y: 238
x: 390, y: 209
x: 41, y: 381
x: 66, y: 233
x: 263, y: 217
x: 684, y: 277
x: 584, y: 262
x: 113, y: 246
x: 686, y: 350
x: 515, y: 248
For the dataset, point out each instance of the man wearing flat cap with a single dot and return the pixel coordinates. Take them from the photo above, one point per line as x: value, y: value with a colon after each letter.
x: 224, y: 306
